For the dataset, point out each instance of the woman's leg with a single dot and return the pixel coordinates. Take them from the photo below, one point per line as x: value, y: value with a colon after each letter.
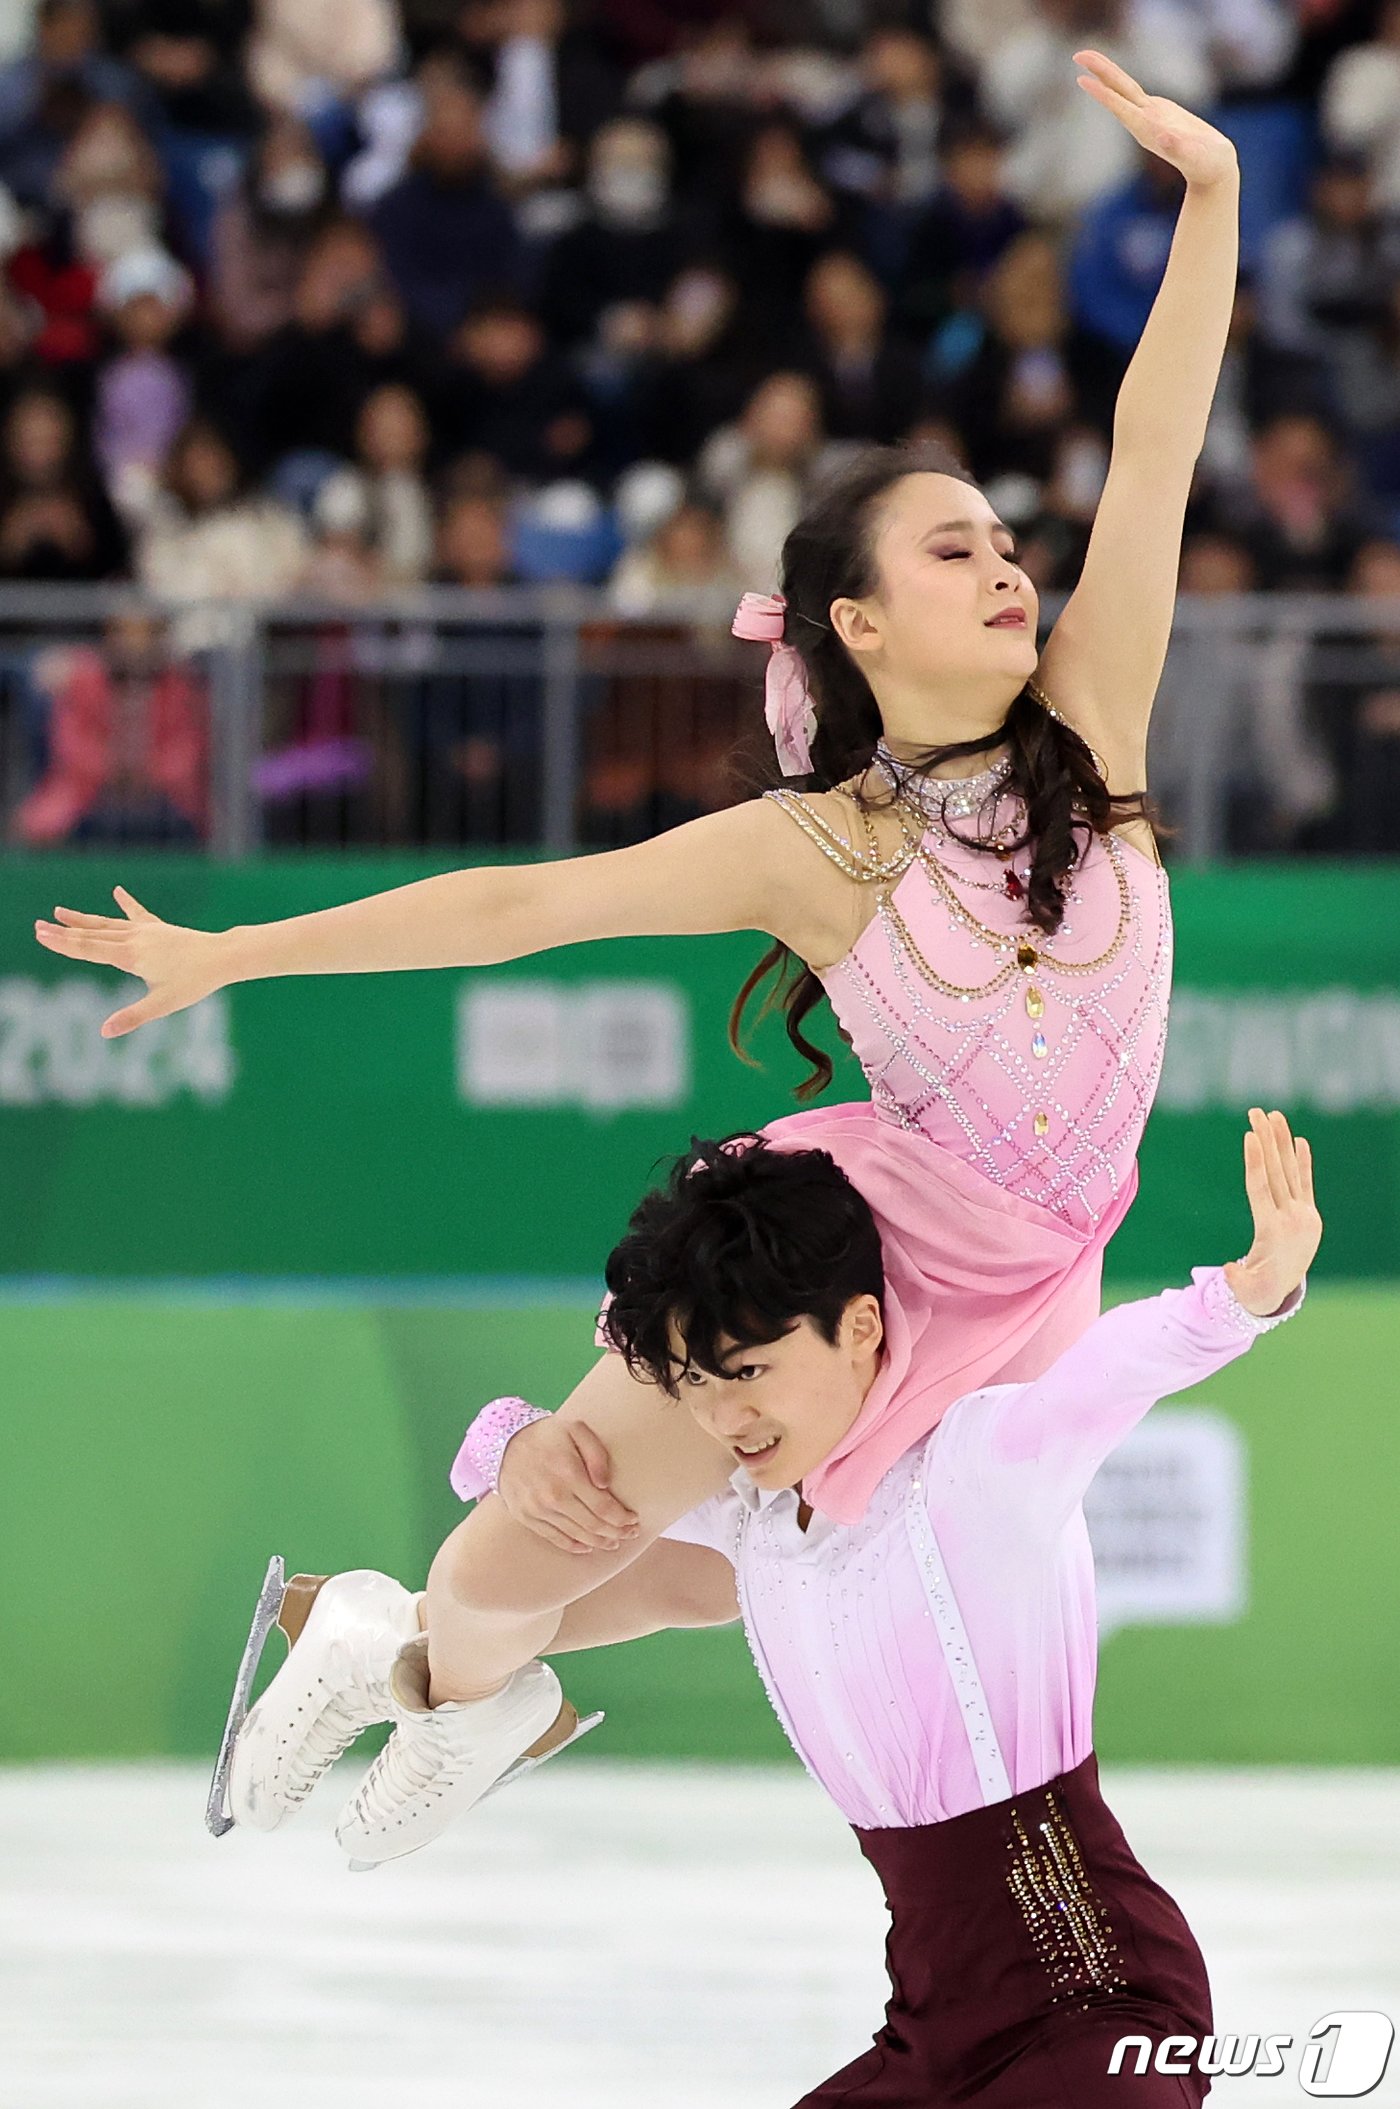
x: 496, y: 1592
x: 671, y: 1588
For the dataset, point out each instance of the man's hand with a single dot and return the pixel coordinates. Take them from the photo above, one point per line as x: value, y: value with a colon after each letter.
x: 554, y: 1479
x: 1287, y: 1227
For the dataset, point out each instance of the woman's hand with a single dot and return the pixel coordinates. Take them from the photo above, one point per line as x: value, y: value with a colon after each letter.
x: 178, y: 966
x: 554, y: 1479
x: 1287, y: 1226
x: 1202, y: 154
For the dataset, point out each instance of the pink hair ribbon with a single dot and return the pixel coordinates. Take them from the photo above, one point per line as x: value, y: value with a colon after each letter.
x: 787, y: 706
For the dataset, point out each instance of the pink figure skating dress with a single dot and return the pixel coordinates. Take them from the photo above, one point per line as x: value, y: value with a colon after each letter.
x: 1011, y: 1075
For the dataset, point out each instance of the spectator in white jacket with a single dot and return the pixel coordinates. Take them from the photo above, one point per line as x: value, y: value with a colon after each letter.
x: 1361, y: 104
x: 758, y: 470
x: 1247, y: 43
x: 1063, y: 155
x: 386, y: 489
x: 683, y: 572
x: 210, y: 538
x: 305, y: 53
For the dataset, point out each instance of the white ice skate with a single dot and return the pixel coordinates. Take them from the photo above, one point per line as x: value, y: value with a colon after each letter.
x: 343, y: 1632
x: 442, y: 1760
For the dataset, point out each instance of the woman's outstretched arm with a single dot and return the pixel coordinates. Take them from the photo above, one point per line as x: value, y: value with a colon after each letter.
x: 1104, y: 658
x: 738, y: 870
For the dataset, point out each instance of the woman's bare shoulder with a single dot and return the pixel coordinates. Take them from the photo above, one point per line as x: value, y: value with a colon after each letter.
x: 836, y: 811
x: 848, y: 808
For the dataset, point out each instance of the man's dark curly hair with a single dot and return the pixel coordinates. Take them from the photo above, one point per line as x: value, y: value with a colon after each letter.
x: 741, y: 1243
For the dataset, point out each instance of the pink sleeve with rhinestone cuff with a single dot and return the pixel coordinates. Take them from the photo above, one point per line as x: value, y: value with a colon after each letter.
x: 477, y: 1465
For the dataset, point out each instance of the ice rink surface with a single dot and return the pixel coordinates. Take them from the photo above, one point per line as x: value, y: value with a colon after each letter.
x: 601, y: 1937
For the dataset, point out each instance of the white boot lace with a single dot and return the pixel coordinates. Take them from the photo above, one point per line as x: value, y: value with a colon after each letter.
x: 416, y: 1760
x: 344, y: 1716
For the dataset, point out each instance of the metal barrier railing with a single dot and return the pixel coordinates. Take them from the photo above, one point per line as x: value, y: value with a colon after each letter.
x: 538, y: 716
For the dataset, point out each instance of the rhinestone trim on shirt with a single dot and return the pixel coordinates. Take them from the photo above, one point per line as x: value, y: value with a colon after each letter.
x: 764, y: 1521
x: 992, y: 1774
x: 1222, y: 1303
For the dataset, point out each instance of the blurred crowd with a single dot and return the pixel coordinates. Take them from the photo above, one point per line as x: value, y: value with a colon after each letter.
x: 337, y: 297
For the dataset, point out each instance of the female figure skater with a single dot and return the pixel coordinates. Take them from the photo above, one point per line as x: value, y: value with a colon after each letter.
x: 937, y: 1678
x: 997, y: 947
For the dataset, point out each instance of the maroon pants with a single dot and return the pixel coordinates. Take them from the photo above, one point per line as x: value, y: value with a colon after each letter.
x: 1025, y: 1940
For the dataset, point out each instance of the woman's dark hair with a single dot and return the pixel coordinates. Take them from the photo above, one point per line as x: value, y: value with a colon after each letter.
x: 741, y: 1243
x: 830, y: 555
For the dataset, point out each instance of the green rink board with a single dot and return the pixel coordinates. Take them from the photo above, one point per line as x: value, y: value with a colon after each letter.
x: 161, y: 1448
x: 503, y: 1121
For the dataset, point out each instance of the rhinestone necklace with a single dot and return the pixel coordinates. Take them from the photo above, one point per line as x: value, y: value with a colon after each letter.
x: 929, y: 797
x: 1013, y: 885
x: 936, y: 796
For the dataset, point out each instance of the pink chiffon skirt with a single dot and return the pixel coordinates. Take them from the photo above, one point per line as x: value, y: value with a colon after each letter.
x: 981, y: 1286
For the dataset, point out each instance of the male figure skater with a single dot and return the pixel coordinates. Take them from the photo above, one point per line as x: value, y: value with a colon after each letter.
x: 933, y: 1665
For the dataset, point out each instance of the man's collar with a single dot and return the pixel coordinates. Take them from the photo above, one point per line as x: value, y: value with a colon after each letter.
x: 755, y: 1497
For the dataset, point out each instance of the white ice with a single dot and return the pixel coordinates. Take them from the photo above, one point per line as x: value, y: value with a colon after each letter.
x: 602, y: 1937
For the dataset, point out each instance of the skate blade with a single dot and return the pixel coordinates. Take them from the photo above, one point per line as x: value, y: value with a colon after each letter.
x: 216, y: 1813
x: 526, y: 1764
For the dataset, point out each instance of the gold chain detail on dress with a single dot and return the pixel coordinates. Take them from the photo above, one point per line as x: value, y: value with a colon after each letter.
x: 935, y: 980
x: 1068, y: 1926
x: 1027, y: 954
x: 870, y: 870
x: 942, y: 880
x: 908, y: 807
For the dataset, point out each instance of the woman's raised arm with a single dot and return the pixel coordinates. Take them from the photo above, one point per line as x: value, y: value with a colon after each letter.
x: 743, y: 869
x: 1104, y: 658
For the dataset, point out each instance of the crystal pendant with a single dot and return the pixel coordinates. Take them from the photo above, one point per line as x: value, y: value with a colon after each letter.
x: 1035, y: 1002
x: 1042, y: 1123
x: 1027, y: 958
x: 1039, y: 1048
x: 1015, y: 891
